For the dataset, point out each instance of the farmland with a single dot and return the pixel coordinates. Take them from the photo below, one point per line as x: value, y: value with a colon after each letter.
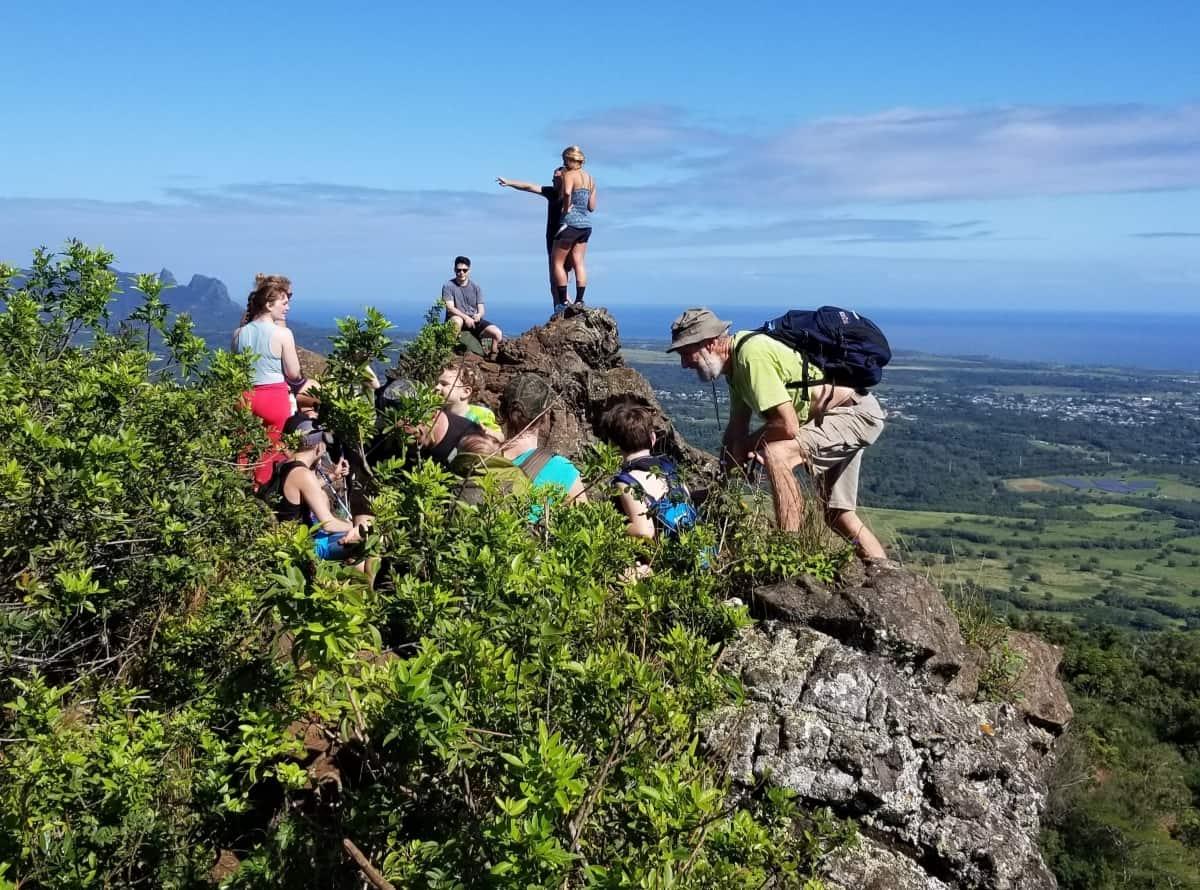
x: 1058, y: 490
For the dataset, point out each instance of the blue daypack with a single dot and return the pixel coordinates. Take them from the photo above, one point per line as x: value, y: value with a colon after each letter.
x: 849, y: 348
x: 673, y: 512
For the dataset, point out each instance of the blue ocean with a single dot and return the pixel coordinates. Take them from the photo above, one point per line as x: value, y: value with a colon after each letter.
x: 1166, y: 342
x: 1157, y: 341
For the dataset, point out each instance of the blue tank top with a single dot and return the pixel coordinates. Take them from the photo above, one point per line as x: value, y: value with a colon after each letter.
x: 255, y: 337
x: 578, y: 216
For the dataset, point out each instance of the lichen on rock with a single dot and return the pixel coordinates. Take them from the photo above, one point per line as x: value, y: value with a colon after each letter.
x: 856, y: 701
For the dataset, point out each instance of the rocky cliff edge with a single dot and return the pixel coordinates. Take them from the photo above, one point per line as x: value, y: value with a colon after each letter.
x: 860, y: 696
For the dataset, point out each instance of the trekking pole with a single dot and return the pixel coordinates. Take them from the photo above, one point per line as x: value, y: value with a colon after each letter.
x: 716, y: 406
x: 333, y: 493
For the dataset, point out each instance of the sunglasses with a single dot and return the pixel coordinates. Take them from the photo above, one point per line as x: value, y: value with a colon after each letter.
x: 462, y: 269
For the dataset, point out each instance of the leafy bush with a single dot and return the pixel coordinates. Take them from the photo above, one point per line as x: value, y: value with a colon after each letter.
x: 190, y: 697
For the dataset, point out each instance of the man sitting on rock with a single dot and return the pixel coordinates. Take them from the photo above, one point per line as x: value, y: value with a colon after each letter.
x: 464, y: 305
x: 822, y: 426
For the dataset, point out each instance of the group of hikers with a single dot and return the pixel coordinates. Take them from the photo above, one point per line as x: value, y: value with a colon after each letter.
x: 807, y: 377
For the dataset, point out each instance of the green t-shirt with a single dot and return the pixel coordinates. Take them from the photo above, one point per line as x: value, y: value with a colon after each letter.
x: 484, y: 416
x: 762, y: 370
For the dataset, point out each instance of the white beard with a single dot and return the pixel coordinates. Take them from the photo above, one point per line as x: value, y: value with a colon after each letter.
x: 708, y: 366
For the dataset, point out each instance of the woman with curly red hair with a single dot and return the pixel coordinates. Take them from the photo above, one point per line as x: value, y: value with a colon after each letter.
x: 276, y: 365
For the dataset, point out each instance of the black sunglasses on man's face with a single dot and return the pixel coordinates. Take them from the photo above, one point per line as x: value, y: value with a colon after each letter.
x: 462, y: 269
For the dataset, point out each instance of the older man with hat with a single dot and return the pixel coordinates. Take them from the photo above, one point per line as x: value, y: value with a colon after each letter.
x: 807, y: 422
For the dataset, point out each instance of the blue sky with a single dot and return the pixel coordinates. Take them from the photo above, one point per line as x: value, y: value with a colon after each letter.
x: 929, y: 155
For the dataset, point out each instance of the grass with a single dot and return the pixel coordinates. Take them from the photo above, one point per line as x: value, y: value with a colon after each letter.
x: 1135, y: 552
x: 1029, y: 485
x: 1112, y: 511
x: 1167, y: 486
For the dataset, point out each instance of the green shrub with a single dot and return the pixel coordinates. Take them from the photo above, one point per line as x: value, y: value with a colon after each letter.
x: 982, y: 627
x: 505, y: 706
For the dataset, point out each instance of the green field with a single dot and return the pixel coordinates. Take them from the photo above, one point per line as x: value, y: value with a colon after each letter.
x: 963, y: 436
x: 1107, y: 548
x: 636, y: 355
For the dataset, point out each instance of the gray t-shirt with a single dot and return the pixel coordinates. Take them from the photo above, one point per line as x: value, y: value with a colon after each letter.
x: 465, y: 299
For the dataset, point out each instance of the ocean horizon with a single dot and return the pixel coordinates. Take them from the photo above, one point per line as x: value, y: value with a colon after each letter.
x: 1155, y: 341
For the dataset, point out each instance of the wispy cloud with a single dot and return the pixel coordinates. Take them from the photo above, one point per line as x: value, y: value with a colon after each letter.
x: 830, y: 229
x: 309, y: 197
x: 684, y: 183
x: 907, y: 154
x: 635, y: 134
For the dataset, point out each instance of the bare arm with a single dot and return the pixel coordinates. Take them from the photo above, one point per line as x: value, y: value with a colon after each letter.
x: 639, y: 523
x: 577, y: 493
x: 592, y: 198
x: 519, y: 186
x: 781, y: 423
x: 568, y: 184
x: 733, y: 443
x: 287, y: 352
x: 317, y: 502
x: 453, y: 310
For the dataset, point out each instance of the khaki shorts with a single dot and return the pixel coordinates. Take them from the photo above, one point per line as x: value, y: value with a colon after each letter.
x: 835, y: 448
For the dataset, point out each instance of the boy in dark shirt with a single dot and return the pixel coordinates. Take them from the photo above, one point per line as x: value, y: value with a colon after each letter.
x: 649, y: 491
x: 553, y: 197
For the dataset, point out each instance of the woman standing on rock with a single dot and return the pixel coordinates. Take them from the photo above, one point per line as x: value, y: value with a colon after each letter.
x: 276, y: 366
x: 571, y: 240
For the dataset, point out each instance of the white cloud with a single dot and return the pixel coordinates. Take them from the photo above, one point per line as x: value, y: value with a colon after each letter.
x: 907, y: 154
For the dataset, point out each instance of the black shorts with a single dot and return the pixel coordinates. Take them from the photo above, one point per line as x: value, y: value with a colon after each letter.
x: 571, y: 235
x: 480, y: 326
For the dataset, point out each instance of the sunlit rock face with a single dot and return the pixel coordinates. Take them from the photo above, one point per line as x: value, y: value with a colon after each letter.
x: 861, y: 697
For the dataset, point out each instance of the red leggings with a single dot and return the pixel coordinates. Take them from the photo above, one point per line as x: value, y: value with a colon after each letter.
x: 271, y: 403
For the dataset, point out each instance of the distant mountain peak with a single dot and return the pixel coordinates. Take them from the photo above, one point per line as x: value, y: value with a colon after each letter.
x: 204, y: 298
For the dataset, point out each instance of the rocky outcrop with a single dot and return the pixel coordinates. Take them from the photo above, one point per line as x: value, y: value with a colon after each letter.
x: 1038, y: 692
x: 861, y: 698
x: 312, y: 364
x: 579, y: 355
x: 203, y: 297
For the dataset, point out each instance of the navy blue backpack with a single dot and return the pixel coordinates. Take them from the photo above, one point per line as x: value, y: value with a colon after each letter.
x: 673, y: 512
x: 849, y: 348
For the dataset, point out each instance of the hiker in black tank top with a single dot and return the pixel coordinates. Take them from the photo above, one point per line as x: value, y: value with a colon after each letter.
x: 303, y: 496
x: 553, y: 195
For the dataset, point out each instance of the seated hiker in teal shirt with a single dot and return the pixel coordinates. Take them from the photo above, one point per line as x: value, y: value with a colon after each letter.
x: 525, y: 416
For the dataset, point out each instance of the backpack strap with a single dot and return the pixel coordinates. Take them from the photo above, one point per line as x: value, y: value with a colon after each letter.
x: 803, y: 383
x: 646, y: 464
x: 536, y: 462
